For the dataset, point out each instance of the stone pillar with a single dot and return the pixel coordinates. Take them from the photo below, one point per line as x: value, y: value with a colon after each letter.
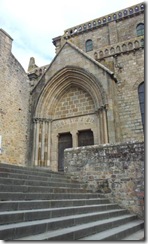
x: 101, y: 125
x: 43, y: 141
x: 74, y: 138
x: 98, y: 128
x: 113, y: 33
x: 36, y: 140
x: 49, y: 143
x: 105, y: 129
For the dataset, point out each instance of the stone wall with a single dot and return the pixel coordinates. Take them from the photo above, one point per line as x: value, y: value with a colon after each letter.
x: 14, y: 105
x: 75, y: 102
x: 118, y: 47
x: 105, y: 31
x: 129, y: 80
x: 116, y: 170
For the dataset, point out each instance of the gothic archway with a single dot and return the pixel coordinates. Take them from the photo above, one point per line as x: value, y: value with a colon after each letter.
x: 50, y: 121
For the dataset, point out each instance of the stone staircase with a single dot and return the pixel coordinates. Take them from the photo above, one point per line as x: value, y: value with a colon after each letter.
x: 37, y: 204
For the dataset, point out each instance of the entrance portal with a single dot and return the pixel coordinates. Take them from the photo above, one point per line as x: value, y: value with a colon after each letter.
x: 64, y: 141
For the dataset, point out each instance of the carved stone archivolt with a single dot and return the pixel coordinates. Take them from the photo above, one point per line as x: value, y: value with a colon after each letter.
x: 62, y: 81
x: 46, y: 127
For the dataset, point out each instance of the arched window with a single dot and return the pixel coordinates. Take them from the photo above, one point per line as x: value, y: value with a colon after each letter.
x: 88, y: 45
x: 140, y: 29
x: 141, y: 100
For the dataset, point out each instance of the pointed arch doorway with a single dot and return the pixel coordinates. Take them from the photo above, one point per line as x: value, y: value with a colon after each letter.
x: 72, y: 101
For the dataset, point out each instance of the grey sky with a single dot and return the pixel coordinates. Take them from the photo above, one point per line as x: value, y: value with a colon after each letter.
x: 33, y: 23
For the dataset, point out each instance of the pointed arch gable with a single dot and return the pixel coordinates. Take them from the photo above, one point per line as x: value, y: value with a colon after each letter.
x: 64, y: 79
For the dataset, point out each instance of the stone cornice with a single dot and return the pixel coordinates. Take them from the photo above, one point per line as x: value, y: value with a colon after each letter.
x: 99, y: 22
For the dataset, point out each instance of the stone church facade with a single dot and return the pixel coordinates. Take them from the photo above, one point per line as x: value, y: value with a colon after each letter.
x: 92, y: 93
x: 89, y: 94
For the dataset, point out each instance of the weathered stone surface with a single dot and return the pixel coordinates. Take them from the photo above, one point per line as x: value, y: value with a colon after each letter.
x: 14, y: 105
x: 102, y: 168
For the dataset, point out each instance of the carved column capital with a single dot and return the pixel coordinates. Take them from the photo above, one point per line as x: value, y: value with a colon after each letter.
x: 103, y: 107
x: 41, y: 120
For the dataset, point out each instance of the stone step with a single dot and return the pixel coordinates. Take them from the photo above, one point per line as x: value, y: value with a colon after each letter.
x: 130, y: 230
x: 31, y: 215
x: 81, y: 225
x: 37, y: 204
x: 41, y: 204
x: 35, y: 177
x: 67, y: 231
x: 31, y: 170
x: 136, y: 236
x: 35, y: 189
x: 44, y: 196
x: 13, y: 181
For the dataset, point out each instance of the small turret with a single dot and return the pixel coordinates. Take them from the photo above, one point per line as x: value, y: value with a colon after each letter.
x: 32, y: 64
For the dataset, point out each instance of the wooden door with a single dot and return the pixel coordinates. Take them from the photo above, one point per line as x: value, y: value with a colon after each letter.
x: 64, y: 141
x: 85, y: 138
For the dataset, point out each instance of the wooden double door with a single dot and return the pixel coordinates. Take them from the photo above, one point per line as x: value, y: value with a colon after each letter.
x: 85, y: 138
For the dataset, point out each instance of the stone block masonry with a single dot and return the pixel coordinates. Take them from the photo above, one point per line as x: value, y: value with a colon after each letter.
x: 114, y: 169
x: 14, y: 105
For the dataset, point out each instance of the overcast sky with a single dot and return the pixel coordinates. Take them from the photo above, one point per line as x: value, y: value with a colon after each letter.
x: 33, y: 23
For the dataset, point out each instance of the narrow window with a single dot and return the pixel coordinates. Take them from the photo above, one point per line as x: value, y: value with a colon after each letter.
x: 89, y: 45
x: 141, y: 100
x: 140, y: 29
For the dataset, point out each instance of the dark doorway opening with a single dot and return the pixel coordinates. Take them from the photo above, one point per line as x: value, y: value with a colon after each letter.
x: 64, y: 141
x: 85, y: 138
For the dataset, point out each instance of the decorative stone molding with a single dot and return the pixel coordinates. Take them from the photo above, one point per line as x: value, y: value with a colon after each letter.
x: 96, y: 23
x: 35, y: 120
x: 136, y: 84
x: 121, y: 48
x: 62, y: 80
x: 88, y: 119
